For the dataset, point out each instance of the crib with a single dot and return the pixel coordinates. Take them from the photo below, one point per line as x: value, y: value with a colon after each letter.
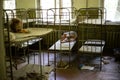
x: 24, y: 40
x: 58, y: 47
x: 90, y: 23
x: 40, y: 30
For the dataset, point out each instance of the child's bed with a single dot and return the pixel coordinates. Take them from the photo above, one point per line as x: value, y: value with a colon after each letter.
x: 22, y: 40
x: 28, y: 24
x: 90, y: 23
x: 64, y: 45
x: 44, y: 16
x: 93, y: 46
x: 93, y: 15
x: 32, y: 20
x: 64, y: 16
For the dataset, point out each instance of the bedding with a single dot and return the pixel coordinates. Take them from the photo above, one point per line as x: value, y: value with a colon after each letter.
x: 67, y: 41
x: 21, y: 39
x: 95, y: 42
x: 62, y: 46
x: 69, y: 36
x: 33, y: 32
x: 92, y: 21
x: 92, y: 46
x: 91, y: 49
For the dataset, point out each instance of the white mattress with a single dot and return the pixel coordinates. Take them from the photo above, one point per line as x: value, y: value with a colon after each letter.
x: 34, y: 32
x: 91, y: 49
x: 93, y: 21
x: 62, y: 46
x: 94, y: 42
x: 22, y: 39
x: 93, y: 46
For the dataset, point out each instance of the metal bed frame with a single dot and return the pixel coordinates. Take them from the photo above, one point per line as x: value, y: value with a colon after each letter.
x: 57, y: 47
x: 25, y: 42
x: 91, y: 35
x: 30, y: 21
x: 65, y: 16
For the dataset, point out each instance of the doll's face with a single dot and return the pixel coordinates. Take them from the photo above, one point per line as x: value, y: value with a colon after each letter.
x: 19, y: 26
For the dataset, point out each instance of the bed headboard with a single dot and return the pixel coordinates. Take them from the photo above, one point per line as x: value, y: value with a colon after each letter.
x: 20, y: 13
x: 91, y: 12
x: 31, y: 14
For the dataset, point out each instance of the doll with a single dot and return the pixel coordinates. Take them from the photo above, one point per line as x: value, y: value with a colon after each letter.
x: 17, y: 26
x: 69, y: 36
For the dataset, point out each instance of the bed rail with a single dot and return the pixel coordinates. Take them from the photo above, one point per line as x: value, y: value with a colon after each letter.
x: 90, y: 25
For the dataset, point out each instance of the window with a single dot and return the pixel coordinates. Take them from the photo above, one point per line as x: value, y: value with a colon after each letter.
x: 9, y: 4
x: 47, y: 4
x: 112, y: 11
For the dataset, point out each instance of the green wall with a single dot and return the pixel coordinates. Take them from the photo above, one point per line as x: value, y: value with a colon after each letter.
x: 25, y: 4
x: 82, y: 3
x: 76, y: 3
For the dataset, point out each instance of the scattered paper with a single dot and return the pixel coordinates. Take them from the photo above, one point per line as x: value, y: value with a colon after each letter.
x: 87, y: 67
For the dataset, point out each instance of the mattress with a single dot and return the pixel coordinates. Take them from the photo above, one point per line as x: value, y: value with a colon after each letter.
x: 91, y: 49
x: 95, y: 42
x: 93, y: 21
x: 93, y: 46
x: 24, y: 39
x: 62, y: 46
x: 34, y: 32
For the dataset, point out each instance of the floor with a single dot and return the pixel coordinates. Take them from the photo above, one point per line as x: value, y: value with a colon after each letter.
x: 109, y: 71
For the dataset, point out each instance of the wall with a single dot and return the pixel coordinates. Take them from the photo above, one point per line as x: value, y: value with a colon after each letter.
x: 79, y: 4
x: 82, y: 3
x: 76, y: 3
x: 26, y: 4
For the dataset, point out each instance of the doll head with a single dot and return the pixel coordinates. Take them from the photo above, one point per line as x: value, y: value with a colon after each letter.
x: 16, y: 25
x: 68, y: 36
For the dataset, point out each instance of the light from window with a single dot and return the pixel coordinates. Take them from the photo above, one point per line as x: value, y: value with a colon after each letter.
x: 111, y: 7
x: 47, y: 4
x: 9, y: 4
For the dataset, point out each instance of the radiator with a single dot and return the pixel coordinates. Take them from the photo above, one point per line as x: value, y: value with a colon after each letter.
x: 113, y: 39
